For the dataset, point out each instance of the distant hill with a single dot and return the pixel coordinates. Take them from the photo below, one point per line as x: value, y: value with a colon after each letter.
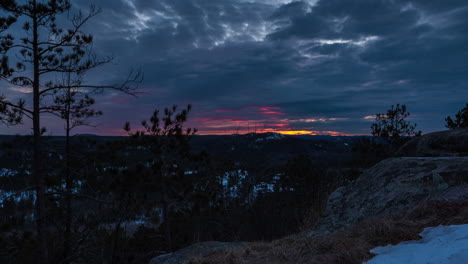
x: 262, y: 150
x: 86, y: 135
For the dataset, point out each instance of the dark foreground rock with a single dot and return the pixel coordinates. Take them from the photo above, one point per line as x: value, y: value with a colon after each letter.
x: 195, y: 251
x: 394, y: 186
x: 438, y: 144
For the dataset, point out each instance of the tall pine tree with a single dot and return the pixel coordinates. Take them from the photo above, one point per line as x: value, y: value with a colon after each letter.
x: 32, y: 59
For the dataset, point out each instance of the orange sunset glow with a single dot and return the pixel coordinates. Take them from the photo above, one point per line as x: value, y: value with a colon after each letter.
x: 267, y: 119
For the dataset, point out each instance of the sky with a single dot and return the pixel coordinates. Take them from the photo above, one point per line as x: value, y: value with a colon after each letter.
x: 312, y: 66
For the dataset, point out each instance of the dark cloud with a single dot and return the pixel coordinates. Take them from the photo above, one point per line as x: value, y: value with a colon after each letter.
x: 335, y: 60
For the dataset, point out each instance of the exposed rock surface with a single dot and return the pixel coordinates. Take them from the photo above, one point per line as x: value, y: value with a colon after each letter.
x: 198, y: 250
x: 438, y: 144
x: 394, y: 186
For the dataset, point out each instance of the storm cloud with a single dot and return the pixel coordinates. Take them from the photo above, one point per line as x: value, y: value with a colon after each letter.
x: 319, y: 66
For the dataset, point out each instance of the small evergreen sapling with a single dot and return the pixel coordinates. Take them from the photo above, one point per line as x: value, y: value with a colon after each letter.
x: 461, y: 119
x: 393, y: 126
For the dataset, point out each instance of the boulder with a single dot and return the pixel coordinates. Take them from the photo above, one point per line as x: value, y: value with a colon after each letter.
x: 438, y: 144
x: 394, y: 186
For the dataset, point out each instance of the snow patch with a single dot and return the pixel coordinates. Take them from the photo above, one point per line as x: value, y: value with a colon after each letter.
x: 16, y: 197
x: 441, y: 245
x: 232, y: 182
x: 7, y: 172
x: 270, y: 137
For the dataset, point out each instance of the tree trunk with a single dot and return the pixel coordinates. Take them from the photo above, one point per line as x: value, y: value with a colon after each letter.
x: 113, y: 256
x: 37, y: 163
x: 165, y: 204
x: 167, y: 226
x: 68, y: 187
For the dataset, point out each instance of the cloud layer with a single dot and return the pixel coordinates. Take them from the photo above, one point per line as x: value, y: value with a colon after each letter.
x: 278, y: 65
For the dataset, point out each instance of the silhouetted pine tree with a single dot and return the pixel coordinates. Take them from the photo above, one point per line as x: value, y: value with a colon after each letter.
x: 166, y: 143
x: 74, y: 107
x: 44, y: 50
x: 393, y: 127
x: 461, y: 119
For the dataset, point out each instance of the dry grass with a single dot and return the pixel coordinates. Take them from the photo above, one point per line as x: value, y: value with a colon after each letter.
x: 348, y: 246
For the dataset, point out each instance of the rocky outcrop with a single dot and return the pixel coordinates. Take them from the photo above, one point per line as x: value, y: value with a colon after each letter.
x: 195, y: 251
x: 394, y: 186
x: 438, y: 144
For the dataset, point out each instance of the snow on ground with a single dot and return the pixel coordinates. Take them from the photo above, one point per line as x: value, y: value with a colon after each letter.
x: 232, y: 182
x: 7, y: 172
x: 17, y: 197
x: 439, y: 245
x: 270, y: 137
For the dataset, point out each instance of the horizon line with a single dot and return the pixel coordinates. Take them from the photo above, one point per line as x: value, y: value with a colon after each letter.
x: 286, y: 133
